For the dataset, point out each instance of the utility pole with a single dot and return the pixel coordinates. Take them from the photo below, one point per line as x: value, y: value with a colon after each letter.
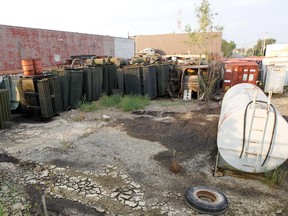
x: 179, y: 21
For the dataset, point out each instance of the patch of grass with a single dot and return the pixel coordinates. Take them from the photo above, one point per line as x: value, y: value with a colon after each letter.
x: 1, y: 209
x: 133, y: 102
x: 275, y: 177
x: 126, y: 103
x: 87, y: 106
x: 110, y: 101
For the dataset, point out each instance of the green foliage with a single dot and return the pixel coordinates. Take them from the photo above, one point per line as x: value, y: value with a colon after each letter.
x: 109, y: 101
x: 87, y: 107
x: 129, y: 103
x: 1, y: 209
x: 227, y: 48
x: 126, y: 103
x: 202, y: 35
x: 259, y: 48
x: 275, y: 177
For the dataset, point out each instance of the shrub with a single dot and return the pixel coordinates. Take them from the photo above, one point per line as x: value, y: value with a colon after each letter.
x: 109, y: 101
x: 129, y: 103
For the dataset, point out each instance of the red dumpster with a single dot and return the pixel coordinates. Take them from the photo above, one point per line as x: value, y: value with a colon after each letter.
x: 240, y: 72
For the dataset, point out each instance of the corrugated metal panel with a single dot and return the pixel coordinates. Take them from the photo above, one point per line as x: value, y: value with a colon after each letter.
x: 55, y: 91
x: 109, y: 78
x: 163, y: 73
x: 75, y: 87
x: 171, y: 44
x: 133, y: 76
x: 92, y: 83
x: 5, y: 113
x: 64, y: 85
x: 97, y: 82
x: 149, y: 81
x: 45, y: 101
x: 87, y: 83
x: 121, y: 81
x: 11, y: 83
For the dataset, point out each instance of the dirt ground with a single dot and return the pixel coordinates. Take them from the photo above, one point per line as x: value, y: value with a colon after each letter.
x: 125, y: 158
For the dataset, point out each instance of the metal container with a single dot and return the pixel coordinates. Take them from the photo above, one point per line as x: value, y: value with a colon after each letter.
x: 133, y: 76
x: 75, y: 87
x: 5, y: 113
x: 252, y: 134
x: 163, y: 74
x: 121, y: 81
x: 149, y: 81
x: 276, y: 61
x: 55, y: 91
x: 97, y: 82
x: 109, y: 78
x: 45, y: 101
x: 274, y: 79
x: 14, y: 93
x: 28, y: 67
x: 38, y: 67
x: 87, y: 84
x: 240, y: 72
x: 64, y: 85
x: 92, y: 83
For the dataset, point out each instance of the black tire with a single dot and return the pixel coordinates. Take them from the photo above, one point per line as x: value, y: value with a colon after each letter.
x: 206, y: 200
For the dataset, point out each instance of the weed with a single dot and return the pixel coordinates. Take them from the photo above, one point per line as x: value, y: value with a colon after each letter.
x: 65, y: 142
x: 78, y: 117
x: 12, y: 193
x: 1, y: 209
x: 126, y: 103
x: 129, y: 103
x: 87, y: 106
x: 275, y: 177
x: 110, y: 101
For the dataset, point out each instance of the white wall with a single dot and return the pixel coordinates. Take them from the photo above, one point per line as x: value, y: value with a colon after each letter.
x: 124, y: 47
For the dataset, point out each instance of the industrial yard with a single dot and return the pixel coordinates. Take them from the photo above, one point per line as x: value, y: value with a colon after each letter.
x: 117, y: 163
x: 176, y: 124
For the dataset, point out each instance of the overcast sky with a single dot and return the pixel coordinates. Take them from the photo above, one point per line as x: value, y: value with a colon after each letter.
x: 244, y: 21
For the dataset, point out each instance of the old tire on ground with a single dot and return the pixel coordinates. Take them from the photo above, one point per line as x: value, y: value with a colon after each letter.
x: 206, y: 200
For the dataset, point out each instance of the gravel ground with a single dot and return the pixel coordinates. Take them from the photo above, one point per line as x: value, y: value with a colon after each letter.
x: 115, y: 163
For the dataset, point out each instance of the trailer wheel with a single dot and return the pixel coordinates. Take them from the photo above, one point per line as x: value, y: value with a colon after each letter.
x: 206, y: 200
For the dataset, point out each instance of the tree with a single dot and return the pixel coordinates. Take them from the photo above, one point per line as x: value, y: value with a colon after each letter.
x: 260, y: 46
x: 227, y: 48
x: 202, y: 35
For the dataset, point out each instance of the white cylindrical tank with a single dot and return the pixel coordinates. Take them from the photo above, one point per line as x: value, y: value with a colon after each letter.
x: 252, y: 134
